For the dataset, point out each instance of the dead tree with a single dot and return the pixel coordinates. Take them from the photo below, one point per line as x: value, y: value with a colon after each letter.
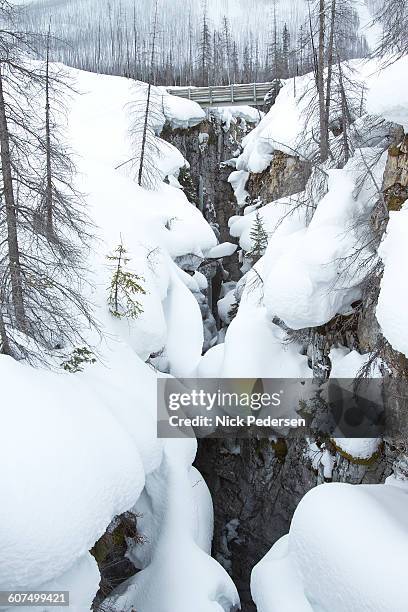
x: 148, y: 102
x: 43, y: 227
x: 324, y: 132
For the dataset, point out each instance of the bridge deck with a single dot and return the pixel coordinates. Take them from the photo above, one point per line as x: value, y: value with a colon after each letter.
x: 252, y: 94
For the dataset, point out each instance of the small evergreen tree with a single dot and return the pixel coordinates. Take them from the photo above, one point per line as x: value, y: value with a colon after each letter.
x: 204, y: 47
x: 79, y: 356
x: 259, y: 239
x: 124, y: 287
x: 285, y: 51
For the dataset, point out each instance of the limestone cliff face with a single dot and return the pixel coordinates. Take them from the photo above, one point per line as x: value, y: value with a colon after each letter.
x: 285, y: 176
x: 395, y: 184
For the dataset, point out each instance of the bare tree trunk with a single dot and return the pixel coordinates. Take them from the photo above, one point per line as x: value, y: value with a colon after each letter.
x: 11, y: 218
x: 324, y: 145
x: 330, y: 63
x: 48, y: 187
x: 312, y: 42
x: 144, y: 137
x: 5, y: 348
x: 135, y: 40
x: 344, y: 112
x: 149, y: 91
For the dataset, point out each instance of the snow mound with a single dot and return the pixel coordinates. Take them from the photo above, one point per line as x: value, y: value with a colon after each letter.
x: 388, y: 93
x: 314, y: 273
x: 293, y: 119
x: 255, y: 347
x: 333, y: 558
x: 226, y: 249
x: 228, y: 115
x: 182, y: 113
x: 391, y: 310
x: 177, y: 571
x: 279, y: 218
x: 87, y: 441
x: 81, y: 488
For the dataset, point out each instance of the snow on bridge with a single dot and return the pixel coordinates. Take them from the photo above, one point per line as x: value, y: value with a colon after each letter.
x: 252, y: 94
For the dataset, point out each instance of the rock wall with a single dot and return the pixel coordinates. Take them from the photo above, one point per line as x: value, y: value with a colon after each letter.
x: 256, y: 486
x: 206, y: 147
x: 285, y: 176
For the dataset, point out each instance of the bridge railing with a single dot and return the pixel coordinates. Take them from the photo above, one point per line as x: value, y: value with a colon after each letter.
x: 252, y: 93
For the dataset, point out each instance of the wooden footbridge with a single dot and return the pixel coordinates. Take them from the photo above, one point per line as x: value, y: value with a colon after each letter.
x: 252, y: 94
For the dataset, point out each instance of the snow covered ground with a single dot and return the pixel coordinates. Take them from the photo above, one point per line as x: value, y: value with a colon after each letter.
x: 89, y: 439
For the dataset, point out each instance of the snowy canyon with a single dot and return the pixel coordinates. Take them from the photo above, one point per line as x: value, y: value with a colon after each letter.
x: 255, y: 262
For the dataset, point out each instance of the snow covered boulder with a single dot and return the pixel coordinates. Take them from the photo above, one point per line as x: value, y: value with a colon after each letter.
x: 226, y: 249
x: 182, y: 113
x: 341, y: 539
x: 388, y: 93
x: 391, y: 312
x: 316, y: 272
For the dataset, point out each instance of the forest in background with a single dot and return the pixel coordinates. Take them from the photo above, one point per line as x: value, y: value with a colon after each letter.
x: 197, y: 42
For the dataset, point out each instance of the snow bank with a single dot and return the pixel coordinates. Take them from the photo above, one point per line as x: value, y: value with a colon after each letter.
x: 177, y: 573
x: 182, y: 113
x: 72, y: 479
x: 279, y: 129
x: 314, y: 273
x: 293, y: 119
x: 333, y: 558
x: 87, y: 442
x: 228, y: 115
x: 391, y: 310
x: 388, y: 93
